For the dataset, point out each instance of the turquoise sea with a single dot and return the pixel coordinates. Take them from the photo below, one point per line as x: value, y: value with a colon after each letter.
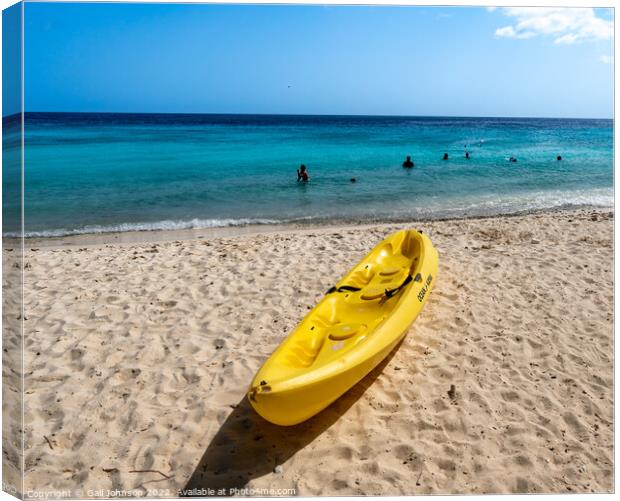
x: 91, y: 172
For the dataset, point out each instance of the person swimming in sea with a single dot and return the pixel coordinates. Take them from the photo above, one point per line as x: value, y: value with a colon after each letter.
x: 408, y: 164
x: 512, y: 159
x: 302, y: 174
x: 467, y: 155
x: 445, y: 156
x: 559, y: 158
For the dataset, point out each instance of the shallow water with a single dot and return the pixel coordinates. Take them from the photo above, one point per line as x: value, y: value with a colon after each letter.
x: 120, y: 172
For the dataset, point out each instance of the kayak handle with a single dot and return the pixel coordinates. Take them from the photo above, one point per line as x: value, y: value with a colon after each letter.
x: 344, y: 288
x: 392, y: 292
x: 388, y: 292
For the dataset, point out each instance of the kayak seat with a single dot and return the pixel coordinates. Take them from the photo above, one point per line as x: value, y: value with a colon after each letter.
x: 378, y: 286
x: 408, y: 246
x: 304, y: 351
x: 361, y: 277
x: 389, y: 271
x: 305, y: 348
x: 346, y: 331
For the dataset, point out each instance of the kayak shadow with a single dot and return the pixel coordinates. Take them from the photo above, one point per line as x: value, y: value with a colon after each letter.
x: 248, y: 447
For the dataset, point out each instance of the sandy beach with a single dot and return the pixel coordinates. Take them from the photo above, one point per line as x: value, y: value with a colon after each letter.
x: 139, y: 353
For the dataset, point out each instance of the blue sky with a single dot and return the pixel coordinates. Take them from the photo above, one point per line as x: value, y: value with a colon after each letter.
x: 318, y: 60
x: 11, y: 60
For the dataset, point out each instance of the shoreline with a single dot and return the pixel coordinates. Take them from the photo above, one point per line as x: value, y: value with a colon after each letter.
x: 155, y: 236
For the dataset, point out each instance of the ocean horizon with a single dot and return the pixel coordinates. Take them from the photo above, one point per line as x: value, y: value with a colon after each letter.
x: 14, y: 116
x: 109, y: 172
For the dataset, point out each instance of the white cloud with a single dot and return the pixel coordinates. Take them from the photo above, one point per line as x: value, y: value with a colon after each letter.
x: 506, y: 31
x: 509, y: 32
x: 565, y: 25
x: 570, y: 38
x: 605, y: 59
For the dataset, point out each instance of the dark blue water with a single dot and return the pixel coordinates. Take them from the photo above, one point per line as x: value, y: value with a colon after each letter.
x: 120, y: 172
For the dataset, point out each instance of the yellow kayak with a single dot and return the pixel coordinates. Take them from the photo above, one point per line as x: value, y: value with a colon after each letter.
x: 355, y: 326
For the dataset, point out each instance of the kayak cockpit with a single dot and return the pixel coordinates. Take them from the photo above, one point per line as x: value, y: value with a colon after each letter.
x: 356, y: 306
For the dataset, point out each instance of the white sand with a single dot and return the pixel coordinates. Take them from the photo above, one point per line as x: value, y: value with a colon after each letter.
x: 139, y: 356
